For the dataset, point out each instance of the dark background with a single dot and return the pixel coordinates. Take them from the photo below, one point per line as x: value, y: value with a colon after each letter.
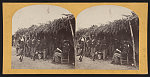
x: 65, y: 75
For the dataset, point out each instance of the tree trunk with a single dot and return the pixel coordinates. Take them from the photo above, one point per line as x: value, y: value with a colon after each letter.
x: 133, y: 44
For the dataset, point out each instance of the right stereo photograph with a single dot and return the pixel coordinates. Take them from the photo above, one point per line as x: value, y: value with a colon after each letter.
x: 107, y: 38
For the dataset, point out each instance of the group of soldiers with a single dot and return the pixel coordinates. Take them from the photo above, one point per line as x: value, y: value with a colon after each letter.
x: 31, y: 47
x: 90, y: 47
x: 38, y: 49
x: 96, y: 49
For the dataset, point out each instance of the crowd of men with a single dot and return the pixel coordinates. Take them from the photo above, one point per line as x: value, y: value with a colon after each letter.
x: 31, y: 47
x: 96, y: 49
x: 38, y: 49
x: 89, y: 47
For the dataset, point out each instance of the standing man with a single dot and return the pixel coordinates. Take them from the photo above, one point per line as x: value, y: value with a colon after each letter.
x: 27, y: 47
x: 44, y: 47
x: 81, y: 41
x: 88, y: 46
x: 33, y: 48
x: 30, y: 47
x: 17, y: 46
x: 93, y: 47
x: 21, y: 50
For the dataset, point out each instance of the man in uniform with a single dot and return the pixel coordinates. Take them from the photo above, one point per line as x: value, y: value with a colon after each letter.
x: 33, y: 48
x: 81, y: 42
x: 30, y: 47
x: 17, y: 47
x: 93, y: 41
x: 21, y: 49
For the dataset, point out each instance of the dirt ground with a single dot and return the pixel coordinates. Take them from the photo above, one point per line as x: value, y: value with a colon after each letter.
x: 27, y: 63
x: 88, y: 63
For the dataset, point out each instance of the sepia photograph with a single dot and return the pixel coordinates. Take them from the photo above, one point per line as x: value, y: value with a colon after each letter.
x: 107, y: 38
x: 42, y: 38
x: 75, y: 38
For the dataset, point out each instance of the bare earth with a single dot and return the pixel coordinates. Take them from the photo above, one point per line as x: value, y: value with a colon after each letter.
x: 27, y: 63
x: 87, y: 63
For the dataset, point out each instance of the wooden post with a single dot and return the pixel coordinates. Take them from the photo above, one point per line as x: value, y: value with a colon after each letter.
x: 133, y: 44
x: 72, y: 35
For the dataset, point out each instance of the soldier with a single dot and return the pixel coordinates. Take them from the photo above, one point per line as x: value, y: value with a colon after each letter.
x: 93, y: 41
x: 21, y: 49
x: 78, y: 48
x: 17, y: 46
x: 33, y: 51
x: 87, y: 47
x: 30, y: 47
x: 81, y: 42
x: 27, y: 47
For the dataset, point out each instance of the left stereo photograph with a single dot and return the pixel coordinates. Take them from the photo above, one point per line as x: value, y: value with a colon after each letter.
x: 42, y: 38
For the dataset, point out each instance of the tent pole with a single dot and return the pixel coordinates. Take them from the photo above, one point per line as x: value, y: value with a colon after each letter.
x: 132, y: 37
x: 72, y: 35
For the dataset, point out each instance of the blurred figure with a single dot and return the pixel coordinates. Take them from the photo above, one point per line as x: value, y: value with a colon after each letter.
x: 33, y: 49
x: 116, y: 57
x: 29, y: 43
x: 17, y: 47
x: 98, y: 53
x: 81, y: 42
x: 57, y: 55
x: 87, y: 47
x: 38, y: 53
x: 20, y: 51
x: 93, y: 49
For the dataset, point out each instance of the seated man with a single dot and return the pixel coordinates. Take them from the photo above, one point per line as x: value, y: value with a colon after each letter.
x: 116, y: 57
x: 95, y: 55
x: 57, y: 56
x: 100, y: 55
x: 40, y: 55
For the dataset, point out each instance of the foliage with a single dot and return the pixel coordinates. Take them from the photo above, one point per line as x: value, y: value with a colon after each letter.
x: 49, y: 28
x: 112, y: 28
